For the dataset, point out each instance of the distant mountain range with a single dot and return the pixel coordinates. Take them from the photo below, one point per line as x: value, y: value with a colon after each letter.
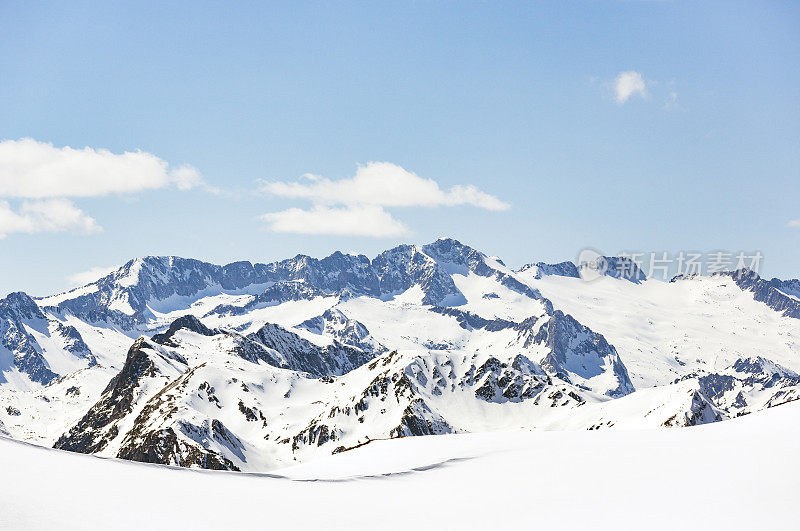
x: 255, y: 366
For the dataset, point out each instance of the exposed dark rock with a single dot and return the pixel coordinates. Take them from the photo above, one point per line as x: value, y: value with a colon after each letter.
x: 164, y: 447
x: 98, y: 426
x: 301, y: 355
x: 781, y: 295
x: 404, y: 266
x: 561, y: 269
x: 575, y: 349
x: 187, y: 322
x: 347, y: 331
x: 470, y: 321
x: 17, y: 310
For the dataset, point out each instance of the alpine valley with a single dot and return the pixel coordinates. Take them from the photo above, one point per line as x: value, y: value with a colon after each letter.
x: 256, y: 367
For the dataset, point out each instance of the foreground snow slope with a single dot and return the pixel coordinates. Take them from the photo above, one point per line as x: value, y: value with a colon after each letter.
x: 734, y: 474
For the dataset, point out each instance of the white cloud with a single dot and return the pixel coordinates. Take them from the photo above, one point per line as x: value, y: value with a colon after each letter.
x: 186, y: 177
x: 36, y: 170
x: 33, y: 170
x: 49, y: 215
x: 794, y: 223
x: 356, y: 206
x: 628, y: 84
x: 90, y: 275
x: 672, y: 100
x: 383, y: 184
x: 353, y: 220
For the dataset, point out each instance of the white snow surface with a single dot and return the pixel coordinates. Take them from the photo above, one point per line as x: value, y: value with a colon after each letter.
x: 663, y: 330
x: 592, y: 460
x: 741, y: 474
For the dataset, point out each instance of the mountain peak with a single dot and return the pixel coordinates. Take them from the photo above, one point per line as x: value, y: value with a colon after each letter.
x: 22, y: 305
x: 188, y: 322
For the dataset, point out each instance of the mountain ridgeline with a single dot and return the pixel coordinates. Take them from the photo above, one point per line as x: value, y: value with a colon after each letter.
x: 255, y: 366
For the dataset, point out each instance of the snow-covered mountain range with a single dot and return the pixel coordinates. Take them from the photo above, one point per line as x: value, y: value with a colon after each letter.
x: 253, y: 367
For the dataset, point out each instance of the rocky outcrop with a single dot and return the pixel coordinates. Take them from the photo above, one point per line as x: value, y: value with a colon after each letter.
x: 471, y: 321
x: 300, y: 354
x: 347, y: 331
x: 578, y: 354
x: 187, y: 322
x: 17, y: 310
x: 748, y: 385
x: 405, y: 266
x: 165, y: 448
x: 541, y: 269
x: 781, y: 295
x: 99, y: 426
x: 699, y: 410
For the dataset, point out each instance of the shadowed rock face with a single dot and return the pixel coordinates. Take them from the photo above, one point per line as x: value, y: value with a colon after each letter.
x: 747, y: 384
x: 624, y: 268
x: 20, y: 306
x: 450, y: 251
x: 577, y: 350
x: 561, y: 269
x: 405, y: 266
x: 347, y: 331
x: 699, y: 411
x: 470, y: 321
x: 614, y: 266
x: 18, y: 313
x: 187, y: 322
x: 301, y: 355
x: 99, y: 425
x: 153, y: 437
x: 283, y: 348
x: 158, y: 278
x: 164, y: 447
x: 781, y: 295
x: 73, y: 342
x: 122, y: 297
x: 16, y: 310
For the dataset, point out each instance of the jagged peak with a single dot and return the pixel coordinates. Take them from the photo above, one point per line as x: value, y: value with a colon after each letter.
x: 743, y: 273
x: 450, y: 249
x: 22, y: 305
x: 447, y: 241
x: 186, y: 322
x: 625, y: 268
x: 339, y: 255
x: 760, y: 365
x: 334, y: 313
x: 540, y: 269
x: 18, y: 299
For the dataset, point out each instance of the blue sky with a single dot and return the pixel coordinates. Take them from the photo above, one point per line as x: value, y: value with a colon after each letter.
x: 520, y: 100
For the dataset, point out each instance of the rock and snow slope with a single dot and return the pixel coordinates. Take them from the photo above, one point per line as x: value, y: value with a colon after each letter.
x: 253, y: 367
x: 739, y: 474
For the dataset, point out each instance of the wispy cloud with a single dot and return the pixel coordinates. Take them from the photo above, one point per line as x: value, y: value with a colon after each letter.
x: 82, y: 278
x: 354, y: 220
x: 35, y: 170
x: 794, y: 223
x: 49, y: 215
x: 384, y: 184
x: 628, y: 84
x: 672, y: 100
x: 44, y: 176
x: 356, y: 206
